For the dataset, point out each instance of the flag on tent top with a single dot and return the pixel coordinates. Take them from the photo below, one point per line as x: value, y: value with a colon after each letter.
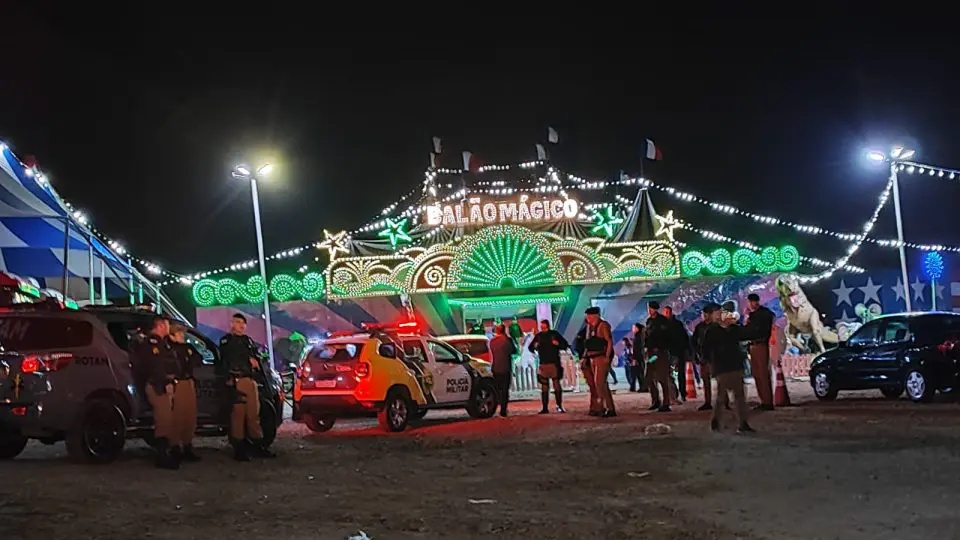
x: 653, y: 152
x: 541, y: 152
x: 470, y: 162
x: 433, y: 160
x: 436, y: 145
x: 552, y: 136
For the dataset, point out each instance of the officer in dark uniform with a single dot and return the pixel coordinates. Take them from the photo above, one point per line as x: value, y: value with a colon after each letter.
x: 239, y: 355
x: 184, y: 395
x: 160, y: 369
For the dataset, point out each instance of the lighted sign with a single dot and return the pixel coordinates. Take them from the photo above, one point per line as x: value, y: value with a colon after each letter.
x: 526, y: 209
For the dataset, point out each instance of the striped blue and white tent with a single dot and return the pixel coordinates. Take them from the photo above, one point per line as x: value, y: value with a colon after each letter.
x: 41, y: 238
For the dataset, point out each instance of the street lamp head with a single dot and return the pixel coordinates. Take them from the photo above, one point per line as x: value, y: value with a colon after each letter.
x: 907, y: 154
x: 264, y: 170
x: 874, y: 155
x: 241, y: 171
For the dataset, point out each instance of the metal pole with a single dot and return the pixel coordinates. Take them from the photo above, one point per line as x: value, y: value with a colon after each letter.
x: 66, y: 256
x: 103, y: 284
x: 263, y: 268
x: 130, y: 280
x: 933, y: 293
x: 903, y: 253
x: 93, y: 290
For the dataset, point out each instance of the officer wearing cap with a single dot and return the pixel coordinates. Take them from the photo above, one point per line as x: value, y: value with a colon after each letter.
x: 160, y: 368
x: 184, y: 395
x: 239, y: 355
x: 599, y: 349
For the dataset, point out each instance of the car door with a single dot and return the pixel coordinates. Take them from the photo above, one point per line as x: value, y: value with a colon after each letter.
x: 879, y: 365
x: 209, y: 388
x: 451, y: 378
x: 849, y: 366
x: 417, y: 361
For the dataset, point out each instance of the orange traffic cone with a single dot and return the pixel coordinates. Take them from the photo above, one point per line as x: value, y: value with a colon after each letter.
x: 691, y: 383
x: 780, y: 397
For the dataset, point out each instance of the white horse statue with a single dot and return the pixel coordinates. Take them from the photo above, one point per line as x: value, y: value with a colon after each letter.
x: 802, y: 317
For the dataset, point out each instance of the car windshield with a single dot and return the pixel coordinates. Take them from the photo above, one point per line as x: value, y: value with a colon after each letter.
x: 335, y: 352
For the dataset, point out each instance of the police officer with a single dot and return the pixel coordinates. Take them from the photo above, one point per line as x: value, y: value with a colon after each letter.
x: 239, y: 355
x: 184, y: 395
x: 160, y: 366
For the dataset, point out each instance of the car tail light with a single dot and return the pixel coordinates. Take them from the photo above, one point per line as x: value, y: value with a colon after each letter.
x: 947, y: 346
x: 363, y: 369
x: 45, y: 363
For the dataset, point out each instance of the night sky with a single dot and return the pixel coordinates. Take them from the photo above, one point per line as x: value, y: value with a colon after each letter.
x: 138, y: 118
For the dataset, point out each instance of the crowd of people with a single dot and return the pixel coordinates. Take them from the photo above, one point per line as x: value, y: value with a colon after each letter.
x: 651, y: 356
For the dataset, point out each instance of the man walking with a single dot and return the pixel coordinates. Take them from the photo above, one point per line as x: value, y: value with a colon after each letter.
x: 679, y: 348
x: 626, y: 360
x: 759, y: 326
x: 502, y: 349
x: 638, y: 358
x: 696, y: 344
x: 721, y: 349
x: 547, y: 344
x: 599, y: 349
x: 658, y: 357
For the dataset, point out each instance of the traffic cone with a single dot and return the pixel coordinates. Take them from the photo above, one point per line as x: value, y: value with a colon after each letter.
x: 691, y: 383
x: 780, y: 397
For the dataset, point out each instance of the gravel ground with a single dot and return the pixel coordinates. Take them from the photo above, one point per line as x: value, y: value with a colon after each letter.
x: 861, y: 467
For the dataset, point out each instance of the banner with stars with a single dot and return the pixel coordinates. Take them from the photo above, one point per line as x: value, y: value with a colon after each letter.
x: 854, y: 296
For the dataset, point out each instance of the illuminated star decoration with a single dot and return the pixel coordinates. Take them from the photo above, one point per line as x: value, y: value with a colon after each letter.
x: 335, y: 243
x: 605, y: 221
x: 396, y: 232
x: 667, y: 224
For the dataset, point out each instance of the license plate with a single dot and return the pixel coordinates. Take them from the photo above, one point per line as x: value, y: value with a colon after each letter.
x: 329, y: 383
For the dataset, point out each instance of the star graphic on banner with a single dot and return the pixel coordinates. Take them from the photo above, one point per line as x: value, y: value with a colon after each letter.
x: 335, y: 243
x: 667, y: 224
x: 940, y: 291
x: 606, y: 221
x: 898, y: 290
x: 844, y: 318
x: 870, y: 291
x: 918, y: 287
x: 396, y: 231
x: 843, y: 294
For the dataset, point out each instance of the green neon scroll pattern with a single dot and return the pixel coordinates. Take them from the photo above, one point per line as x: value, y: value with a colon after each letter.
x: 693, y: 262
x: 283, y: 287
x: 742, y: 261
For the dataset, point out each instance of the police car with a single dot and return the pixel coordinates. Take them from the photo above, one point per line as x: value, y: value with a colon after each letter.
x: 66, y: 375
x: 394, y: 375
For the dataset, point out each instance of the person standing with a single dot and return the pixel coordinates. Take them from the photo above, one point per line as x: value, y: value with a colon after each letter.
x: 599, y: 349
x: 502, y: 349
x: 547, y: 344
x: 239, y: 354
x: 596, y: 409
x: 721, y: 349
x: 626, y: 360
x: 657, y: 341
x: 760, y: 325
x: 679, y: 350
x: 160, y: 369
x: 184, y: 394
x: 696, y: 345
x: 638, y: 358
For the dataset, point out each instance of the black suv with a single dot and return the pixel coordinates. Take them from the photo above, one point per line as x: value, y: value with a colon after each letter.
x: 916, y: 352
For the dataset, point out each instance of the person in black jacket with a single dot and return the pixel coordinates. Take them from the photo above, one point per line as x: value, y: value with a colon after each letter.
x: 679, y: 350
x: 547, y: 344
x: 721, y: 349
x: 239, y: 354
x: 184, y: 394
x: 760, y: 324
x: 657, y: 341
x: 160, y: 368
x: 638, y: 359
x: 696, y: 345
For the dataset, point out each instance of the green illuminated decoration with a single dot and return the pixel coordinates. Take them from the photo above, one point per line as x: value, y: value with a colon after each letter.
x: 606, y: 221
x: 741, y: 261
x: 510, y: 259
x: 283, y: 287
x: 501, y: 256
x: 396, y: 231
x: 511, y: 300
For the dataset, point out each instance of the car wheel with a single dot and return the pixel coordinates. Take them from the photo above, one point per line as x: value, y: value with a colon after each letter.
x: 823, y: 387
x: 11, y: 444
x: 918, y: 387
x: 395, y: 414
x: 892, y: 392
x: 269, y: 422
x: 319, y: 423
x: 483, y: 404
x: 100, y: 432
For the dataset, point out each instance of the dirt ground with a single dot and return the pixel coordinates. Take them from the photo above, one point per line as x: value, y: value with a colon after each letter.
x: 861, y: 467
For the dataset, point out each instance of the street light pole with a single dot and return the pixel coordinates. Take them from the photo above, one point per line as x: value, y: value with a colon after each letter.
x: 263, y: 266
x: 903, y: 254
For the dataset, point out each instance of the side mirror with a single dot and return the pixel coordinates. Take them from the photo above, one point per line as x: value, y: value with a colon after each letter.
x: 387, y: 350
